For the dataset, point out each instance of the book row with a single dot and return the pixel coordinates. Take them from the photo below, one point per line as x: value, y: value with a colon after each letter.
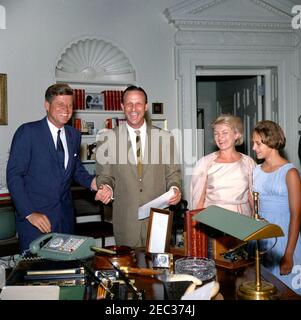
x: 86, y: 127
x: 108, y: 100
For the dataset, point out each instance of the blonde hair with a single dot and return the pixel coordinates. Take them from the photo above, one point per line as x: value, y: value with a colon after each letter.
x: 233, y: 122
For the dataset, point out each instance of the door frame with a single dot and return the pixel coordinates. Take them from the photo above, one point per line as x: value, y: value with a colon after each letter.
x: 190, y: 59
x: 256, y: 72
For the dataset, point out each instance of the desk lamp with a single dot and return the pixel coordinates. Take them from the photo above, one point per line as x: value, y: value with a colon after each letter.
x: 246, y: 229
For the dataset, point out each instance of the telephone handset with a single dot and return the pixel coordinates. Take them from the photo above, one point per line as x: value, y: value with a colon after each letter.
x: 58, y: 246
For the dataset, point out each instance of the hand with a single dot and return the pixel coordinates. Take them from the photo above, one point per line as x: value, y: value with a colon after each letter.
x: 104, y: 194
x: 94, y: 185
x: 40, y: 221
x: 286, y: 265
x: 175, y: 199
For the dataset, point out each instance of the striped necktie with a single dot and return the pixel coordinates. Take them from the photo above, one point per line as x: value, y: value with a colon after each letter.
x: 60, y: 151
x: 139, y: 153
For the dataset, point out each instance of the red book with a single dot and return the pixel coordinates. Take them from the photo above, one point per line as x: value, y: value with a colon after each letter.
x: 114, y: 100
x: 79, y: 99
x: 78, y: 124
x: 110, y: 100
x: 83, y: 100
x: 118, y: 100
x: 105, y: 99
x: 190, y: 232
x: 197, y: 243
x: 75, y: 99
x: 202, y: 241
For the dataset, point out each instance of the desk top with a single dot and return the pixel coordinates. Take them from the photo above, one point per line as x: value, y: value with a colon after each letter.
x: 229, y: 281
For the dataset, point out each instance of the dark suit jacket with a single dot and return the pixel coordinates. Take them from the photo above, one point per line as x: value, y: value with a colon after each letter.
x: 37, y: 184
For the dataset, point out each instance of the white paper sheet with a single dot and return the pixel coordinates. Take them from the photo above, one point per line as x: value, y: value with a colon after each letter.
x: 159, y: 203
x: 30, y: 293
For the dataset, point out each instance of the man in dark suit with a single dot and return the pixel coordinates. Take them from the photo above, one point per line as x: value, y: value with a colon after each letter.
x: 44, y: 160
x: 133, y: 175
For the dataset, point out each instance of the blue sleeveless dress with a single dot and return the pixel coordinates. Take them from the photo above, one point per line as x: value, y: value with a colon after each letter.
x: 274, y: 207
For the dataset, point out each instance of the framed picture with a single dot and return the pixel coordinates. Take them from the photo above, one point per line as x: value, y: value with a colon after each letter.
x: 90, y: 126
x: 157, y: 108
x: 159, y: 231
x: 94, y: 101
x: 3, y: 98
x: 160, y: 123
x: 162, y: 260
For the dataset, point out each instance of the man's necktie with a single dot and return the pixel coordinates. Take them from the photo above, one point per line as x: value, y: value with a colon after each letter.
x: 139, y: 153
x: 60, y: 151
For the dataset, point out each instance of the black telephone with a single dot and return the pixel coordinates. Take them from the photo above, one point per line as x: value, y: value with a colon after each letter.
x: 57, y: 246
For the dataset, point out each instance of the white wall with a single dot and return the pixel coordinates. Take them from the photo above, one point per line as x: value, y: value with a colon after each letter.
x: 39, y: 30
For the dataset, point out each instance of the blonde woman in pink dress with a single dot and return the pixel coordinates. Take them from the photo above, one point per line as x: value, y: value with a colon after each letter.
x: 224, y: 177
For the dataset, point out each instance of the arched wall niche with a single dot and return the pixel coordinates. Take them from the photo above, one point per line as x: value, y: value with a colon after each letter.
x: 93, y: 60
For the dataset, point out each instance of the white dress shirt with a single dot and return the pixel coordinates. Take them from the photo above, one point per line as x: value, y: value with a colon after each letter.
x: 133, y: 135
x: 54, y: 130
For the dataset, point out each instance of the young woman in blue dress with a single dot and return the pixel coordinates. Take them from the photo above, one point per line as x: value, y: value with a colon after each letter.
x: 278, y: 183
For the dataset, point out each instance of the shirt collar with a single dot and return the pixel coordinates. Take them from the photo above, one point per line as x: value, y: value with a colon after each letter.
x: 142, y: 129
x: 53, y: 128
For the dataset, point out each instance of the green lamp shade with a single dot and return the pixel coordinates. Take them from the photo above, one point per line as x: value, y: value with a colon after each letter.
x: 7, y: 223
x: 237, y: 225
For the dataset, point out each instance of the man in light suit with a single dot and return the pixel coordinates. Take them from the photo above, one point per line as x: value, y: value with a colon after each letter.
x: 44, y: 160
x: 120, y: 174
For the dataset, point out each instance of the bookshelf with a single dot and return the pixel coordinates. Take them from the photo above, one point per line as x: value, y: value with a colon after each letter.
x: 106, y: 113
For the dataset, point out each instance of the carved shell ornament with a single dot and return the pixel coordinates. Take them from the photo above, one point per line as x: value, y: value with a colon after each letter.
x: 94, y: 60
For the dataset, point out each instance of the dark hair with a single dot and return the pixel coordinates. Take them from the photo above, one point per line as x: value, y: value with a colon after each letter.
x: 58, y: 89
x: 133, y: 88
x: 271, y: 134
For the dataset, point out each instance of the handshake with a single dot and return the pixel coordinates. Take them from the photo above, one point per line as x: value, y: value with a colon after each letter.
x: 104, y: 194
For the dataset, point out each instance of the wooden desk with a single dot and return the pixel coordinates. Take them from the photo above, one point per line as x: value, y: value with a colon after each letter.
x: 229, y: 281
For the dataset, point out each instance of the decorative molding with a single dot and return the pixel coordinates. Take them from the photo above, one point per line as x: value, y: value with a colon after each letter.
x: 279, y: 11
x: 205, y: 6
x: 94, y: 60
x: 210, y: 25
x: 191, y: 14
x: 247, y: 40
x: 283, y: 12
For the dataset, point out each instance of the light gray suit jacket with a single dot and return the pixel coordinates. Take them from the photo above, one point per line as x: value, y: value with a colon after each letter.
x: 115, y: 166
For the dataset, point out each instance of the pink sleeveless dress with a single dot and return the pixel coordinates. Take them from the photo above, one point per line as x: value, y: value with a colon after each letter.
x: 228, y: 187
